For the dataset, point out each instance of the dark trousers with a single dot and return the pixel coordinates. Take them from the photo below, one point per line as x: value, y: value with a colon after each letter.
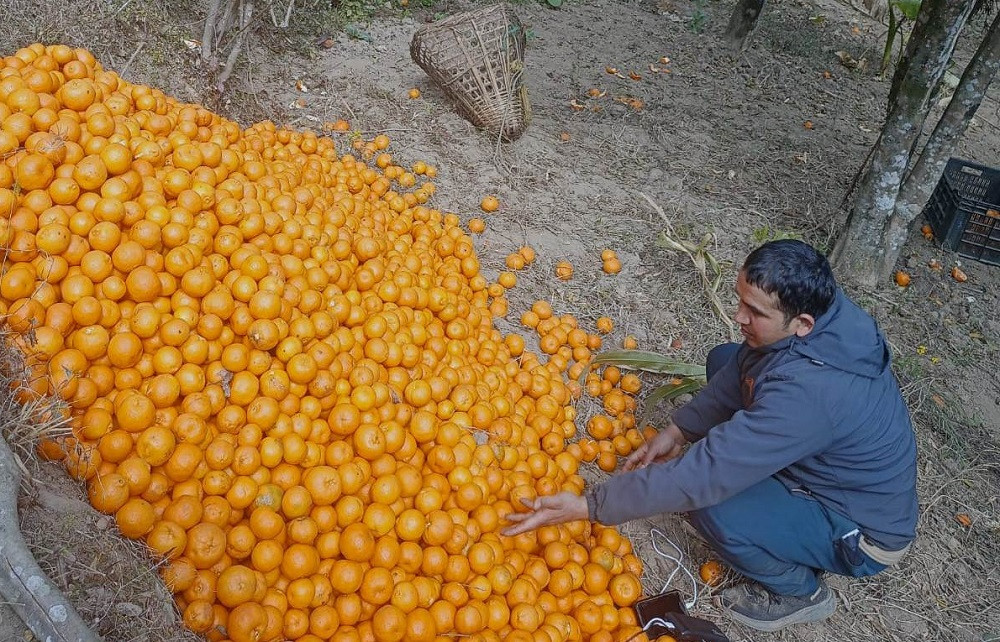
x: 776, y: 536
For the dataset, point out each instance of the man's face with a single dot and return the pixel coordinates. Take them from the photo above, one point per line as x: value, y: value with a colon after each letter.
x: 761, y: 321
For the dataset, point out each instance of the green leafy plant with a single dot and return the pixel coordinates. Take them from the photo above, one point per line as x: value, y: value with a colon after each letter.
x: 688, y: 377
x: 899, y: 12
x: 355, y: 11
x: 698, y: 17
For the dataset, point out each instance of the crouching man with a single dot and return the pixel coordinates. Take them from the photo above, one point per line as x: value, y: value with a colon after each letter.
x: 802, y: 458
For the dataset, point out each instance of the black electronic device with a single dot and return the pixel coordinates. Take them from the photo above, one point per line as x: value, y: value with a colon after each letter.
x: 665, y: 614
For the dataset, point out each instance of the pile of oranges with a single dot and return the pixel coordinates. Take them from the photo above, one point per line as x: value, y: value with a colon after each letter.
x: 282, y: 374
x: 614, y: 433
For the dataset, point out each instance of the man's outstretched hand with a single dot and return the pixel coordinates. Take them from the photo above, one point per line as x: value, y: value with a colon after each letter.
x: 547, y: 511
x: 667, y: 444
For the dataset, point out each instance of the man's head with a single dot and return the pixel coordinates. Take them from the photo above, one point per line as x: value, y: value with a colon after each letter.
x: 783, y: 287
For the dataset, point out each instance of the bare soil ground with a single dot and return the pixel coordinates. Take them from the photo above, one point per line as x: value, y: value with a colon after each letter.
x: 721, y: 144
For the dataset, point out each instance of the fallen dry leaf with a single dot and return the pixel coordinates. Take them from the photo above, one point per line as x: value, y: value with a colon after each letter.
x: 564, y: 137
x: 634, y: 103
x: 938, y: 400
x: 958, y: 274
x: 300, y: 103
x: 576, y: 106
x: 611, y: 70
x: 935, y: 265
x: 654, y: 69
x: 808, y: 124
x: 634, y: 76
x: 856, y: 31
x: 301, y: 86
x: 594, y: 92
x: 827, y: 74
x: 964, y: 520
x: 664, y: 60
x: 848, y: 60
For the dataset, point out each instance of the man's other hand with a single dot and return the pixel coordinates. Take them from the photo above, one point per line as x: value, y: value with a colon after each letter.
x: 547, y: 511
x: 667, y: 444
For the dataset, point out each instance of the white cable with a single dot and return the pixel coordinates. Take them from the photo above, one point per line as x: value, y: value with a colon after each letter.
x: 679, y: 561
x: 658, y: 622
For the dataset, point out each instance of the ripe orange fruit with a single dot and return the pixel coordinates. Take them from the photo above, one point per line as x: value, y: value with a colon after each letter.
x: 625, y: 589
x: 413, y: 93
x: 490, y: 204
x: 564, y: 270
x: 902, y: 279
x: 605, y: 325
x: 514, y: 261
x: 711, y: 573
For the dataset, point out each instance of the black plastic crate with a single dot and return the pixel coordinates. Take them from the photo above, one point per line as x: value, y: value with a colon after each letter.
x: 964, y: 210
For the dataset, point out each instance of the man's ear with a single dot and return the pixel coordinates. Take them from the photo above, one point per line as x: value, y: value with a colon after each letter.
x: 803, y: 324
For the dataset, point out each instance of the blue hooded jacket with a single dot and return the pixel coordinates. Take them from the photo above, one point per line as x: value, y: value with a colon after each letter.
x: 821, y: 413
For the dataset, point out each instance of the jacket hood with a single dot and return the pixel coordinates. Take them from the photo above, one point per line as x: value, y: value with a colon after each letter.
x: 845, y: 337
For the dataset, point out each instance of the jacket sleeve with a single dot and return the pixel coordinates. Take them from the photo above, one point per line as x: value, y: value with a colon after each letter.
x: 714, y: 404
x: 784, y: 425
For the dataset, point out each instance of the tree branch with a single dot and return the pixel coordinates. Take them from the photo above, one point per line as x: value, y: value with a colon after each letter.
x: 208, y: 34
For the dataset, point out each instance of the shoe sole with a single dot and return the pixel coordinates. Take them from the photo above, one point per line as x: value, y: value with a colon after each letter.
x: 813, y: 613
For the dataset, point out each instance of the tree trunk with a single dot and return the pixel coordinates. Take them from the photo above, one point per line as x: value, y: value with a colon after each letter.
x: 860, y: 251
x: 208, y: 34
x: 920, y: 182
x: 743, y: 21
x: 24, y: 586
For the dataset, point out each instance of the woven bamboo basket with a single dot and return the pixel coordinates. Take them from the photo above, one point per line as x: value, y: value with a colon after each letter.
x: 477, y: 58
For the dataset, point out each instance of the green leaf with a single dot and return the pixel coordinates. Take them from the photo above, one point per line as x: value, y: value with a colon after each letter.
x: 356, y: 32
x: 909, y: 8
x: 663, y: 393
x: 555, y: 4
x: 650, y: 362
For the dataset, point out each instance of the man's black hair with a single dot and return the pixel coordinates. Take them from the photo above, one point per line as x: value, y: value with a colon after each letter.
x: 798, y: 275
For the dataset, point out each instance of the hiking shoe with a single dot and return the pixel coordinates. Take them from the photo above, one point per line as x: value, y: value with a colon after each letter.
x: 758, y: 608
